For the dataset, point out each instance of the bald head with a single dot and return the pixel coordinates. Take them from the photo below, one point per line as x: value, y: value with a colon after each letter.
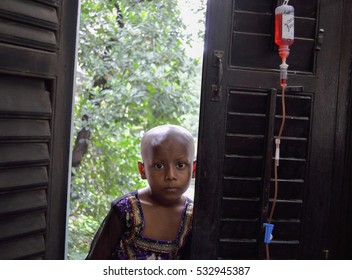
x: 167, y: 133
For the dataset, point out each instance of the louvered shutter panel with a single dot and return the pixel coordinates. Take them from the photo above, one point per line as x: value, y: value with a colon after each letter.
x: 235, y: 179
x: 37, y: 54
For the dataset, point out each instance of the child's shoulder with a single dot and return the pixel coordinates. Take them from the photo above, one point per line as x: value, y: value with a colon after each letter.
x: 189, y: 207
x: 189, y: 200
x: 122, y: 204
x: 123, y: 198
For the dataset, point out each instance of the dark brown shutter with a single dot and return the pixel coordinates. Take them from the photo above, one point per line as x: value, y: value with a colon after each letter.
x: 240, y: 118
x: 37, y: 54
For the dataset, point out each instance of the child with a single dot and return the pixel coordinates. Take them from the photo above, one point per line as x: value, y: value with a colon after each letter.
x: 153, y: 222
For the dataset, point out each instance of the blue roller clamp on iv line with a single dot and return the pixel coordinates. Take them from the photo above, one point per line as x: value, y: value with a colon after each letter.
x: 268, y: 232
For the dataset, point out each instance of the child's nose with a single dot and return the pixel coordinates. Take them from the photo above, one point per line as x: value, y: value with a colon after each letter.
x: 170, y: 173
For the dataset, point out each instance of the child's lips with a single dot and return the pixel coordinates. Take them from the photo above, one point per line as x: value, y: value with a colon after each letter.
x: 171, y: 188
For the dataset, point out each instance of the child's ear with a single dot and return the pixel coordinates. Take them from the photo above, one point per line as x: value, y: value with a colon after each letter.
x: 141, y: 170
x: 194, y: 169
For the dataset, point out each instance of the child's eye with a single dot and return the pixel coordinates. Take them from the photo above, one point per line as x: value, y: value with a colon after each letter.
x: 181, y: 165
x: 158, y: 165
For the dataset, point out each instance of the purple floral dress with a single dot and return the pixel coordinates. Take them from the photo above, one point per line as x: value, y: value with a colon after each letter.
x: 133, y: 245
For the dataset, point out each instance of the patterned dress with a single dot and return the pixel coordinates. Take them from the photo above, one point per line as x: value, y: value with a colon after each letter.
x: 133, y: 245
x: 120, y: 235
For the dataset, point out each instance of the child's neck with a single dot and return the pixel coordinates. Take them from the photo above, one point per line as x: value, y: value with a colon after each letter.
x: 162, y: 220
x: 146, y: 196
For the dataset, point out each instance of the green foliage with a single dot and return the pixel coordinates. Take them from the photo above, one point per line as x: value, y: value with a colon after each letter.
x: 133, y: 74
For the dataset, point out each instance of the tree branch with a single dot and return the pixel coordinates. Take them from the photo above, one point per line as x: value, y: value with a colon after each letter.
x: 81, y: 145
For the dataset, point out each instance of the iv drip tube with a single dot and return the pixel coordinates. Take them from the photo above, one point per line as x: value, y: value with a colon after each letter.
x: 276, y: 164
x: 277, y: 146
x: 284, y: 37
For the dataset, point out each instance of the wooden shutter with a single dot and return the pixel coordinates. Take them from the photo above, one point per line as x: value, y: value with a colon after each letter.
x: 240, y: 118
x: 37, y: 55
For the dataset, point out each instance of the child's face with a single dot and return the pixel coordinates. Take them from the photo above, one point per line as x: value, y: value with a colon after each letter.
x: 169, y: 167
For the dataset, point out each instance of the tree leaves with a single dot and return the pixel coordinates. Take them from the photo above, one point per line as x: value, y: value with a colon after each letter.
x: 134, y: 74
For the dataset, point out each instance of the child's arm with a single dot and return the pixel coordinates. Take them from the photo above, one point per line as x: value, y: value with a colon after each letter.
x: 107, y: 238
